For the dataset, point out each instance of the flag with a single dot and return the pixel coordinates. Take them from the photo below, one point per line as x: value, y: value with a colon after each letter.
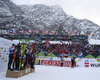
x: 56, y: 32
x: 41, y: 31
x: 11, y: 31
x: 59, y: 31
x: 25, y: 31
x: 34, y: 31
x: 72, y: 32
x: 66, y: 53
x: 37, y: 31
x: 5, y: 31
x: 93, y: 34
x: 14, y: 31
x: 75, y: 31
x: 49, y: 31
x: 61, y: 54
x: 46, y: 31
x: 86, y: 63
x: 52, y: 31
x: 22, y: 31
x: 89, y: 33
x: 8, y: 31
x: 30, y: 31
x: 65, y: 31
x: 62, y: 31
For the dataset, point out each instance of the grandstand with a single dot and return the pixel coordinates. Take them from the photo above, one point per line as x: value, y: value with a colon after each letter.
x: 74, y: 45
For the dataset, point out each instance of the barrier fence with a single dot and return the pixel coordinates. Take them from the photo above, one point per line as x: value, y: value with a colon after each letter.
x: 80, y: 62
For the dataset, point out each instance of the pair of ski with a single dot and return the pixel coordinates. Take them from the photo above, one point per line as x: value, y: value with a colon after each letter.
x: 29, y: 57
x: 21, y: 63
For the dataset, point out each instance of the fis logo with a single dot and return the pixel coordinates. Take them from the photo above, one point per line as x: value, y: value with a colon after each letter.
x: 86, y: 63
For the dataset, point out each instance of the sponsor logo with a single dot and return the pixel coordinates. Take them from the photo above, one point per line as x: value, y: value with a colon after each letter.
x: 50, y: 62
x: 86, y: 63
x: 94, y: 65
x: 67, y: 63
x: 56, y: 63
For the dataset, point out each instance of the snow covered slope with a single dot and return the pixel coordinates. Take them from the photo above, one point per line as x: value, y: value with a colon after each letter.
x: 58, y: 73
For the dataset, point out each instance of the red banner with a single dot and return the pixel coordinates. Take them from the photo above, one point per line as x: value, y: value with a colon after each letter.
x: 56, y: 63
x: 64, y: 54
x: 50, y: 62
x: 67, y: 63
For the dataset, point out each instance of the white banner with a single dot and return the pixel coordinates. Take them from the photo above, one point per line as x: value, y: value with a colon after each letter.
x: 80, y: 64
x: 94, y: 64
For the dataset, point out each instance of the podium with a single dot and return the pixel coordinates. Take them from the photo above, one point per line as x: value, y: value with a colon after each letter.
x: 32, y: 70
x: 17, y: 74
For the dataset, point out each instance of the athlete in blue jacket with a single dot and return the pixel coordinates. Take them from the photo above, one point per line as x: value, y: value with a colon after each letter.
x: 11, y: 54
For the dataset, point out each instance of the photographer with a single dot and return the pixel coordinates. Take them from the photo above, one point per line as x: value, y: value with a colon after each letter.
x: 72, y: 62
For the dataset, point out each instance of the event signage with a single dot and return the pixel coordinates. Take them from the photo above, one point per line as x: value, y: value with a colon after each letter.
x: 86, y: 63
x: 67, y: 63
x: 50, y: 62
x: 94, y: 64
x: 56, y: 63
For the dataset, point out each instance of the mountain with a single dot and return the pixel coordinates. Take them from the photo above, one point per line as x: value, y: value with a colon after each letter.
x: 43, y: 17
x: 10, y: 14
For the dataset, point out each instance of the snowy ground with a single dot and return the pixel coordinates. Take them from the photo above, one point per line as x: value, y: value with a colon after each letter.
x: 58, y: 73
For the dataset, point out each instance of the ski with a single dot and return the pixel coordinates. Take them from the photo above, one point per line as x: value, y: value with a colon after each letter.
x: 21, y: 57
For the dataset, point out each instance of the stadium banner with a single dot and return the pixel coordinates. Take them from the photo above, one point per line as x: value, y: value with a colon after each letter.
x: 50, y: 62
x: 80, y: 64
x: 93, y: 64
x: 56, y: 63
x: 68, y: 64
x: 88, y: 63
x: 3, y: 54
